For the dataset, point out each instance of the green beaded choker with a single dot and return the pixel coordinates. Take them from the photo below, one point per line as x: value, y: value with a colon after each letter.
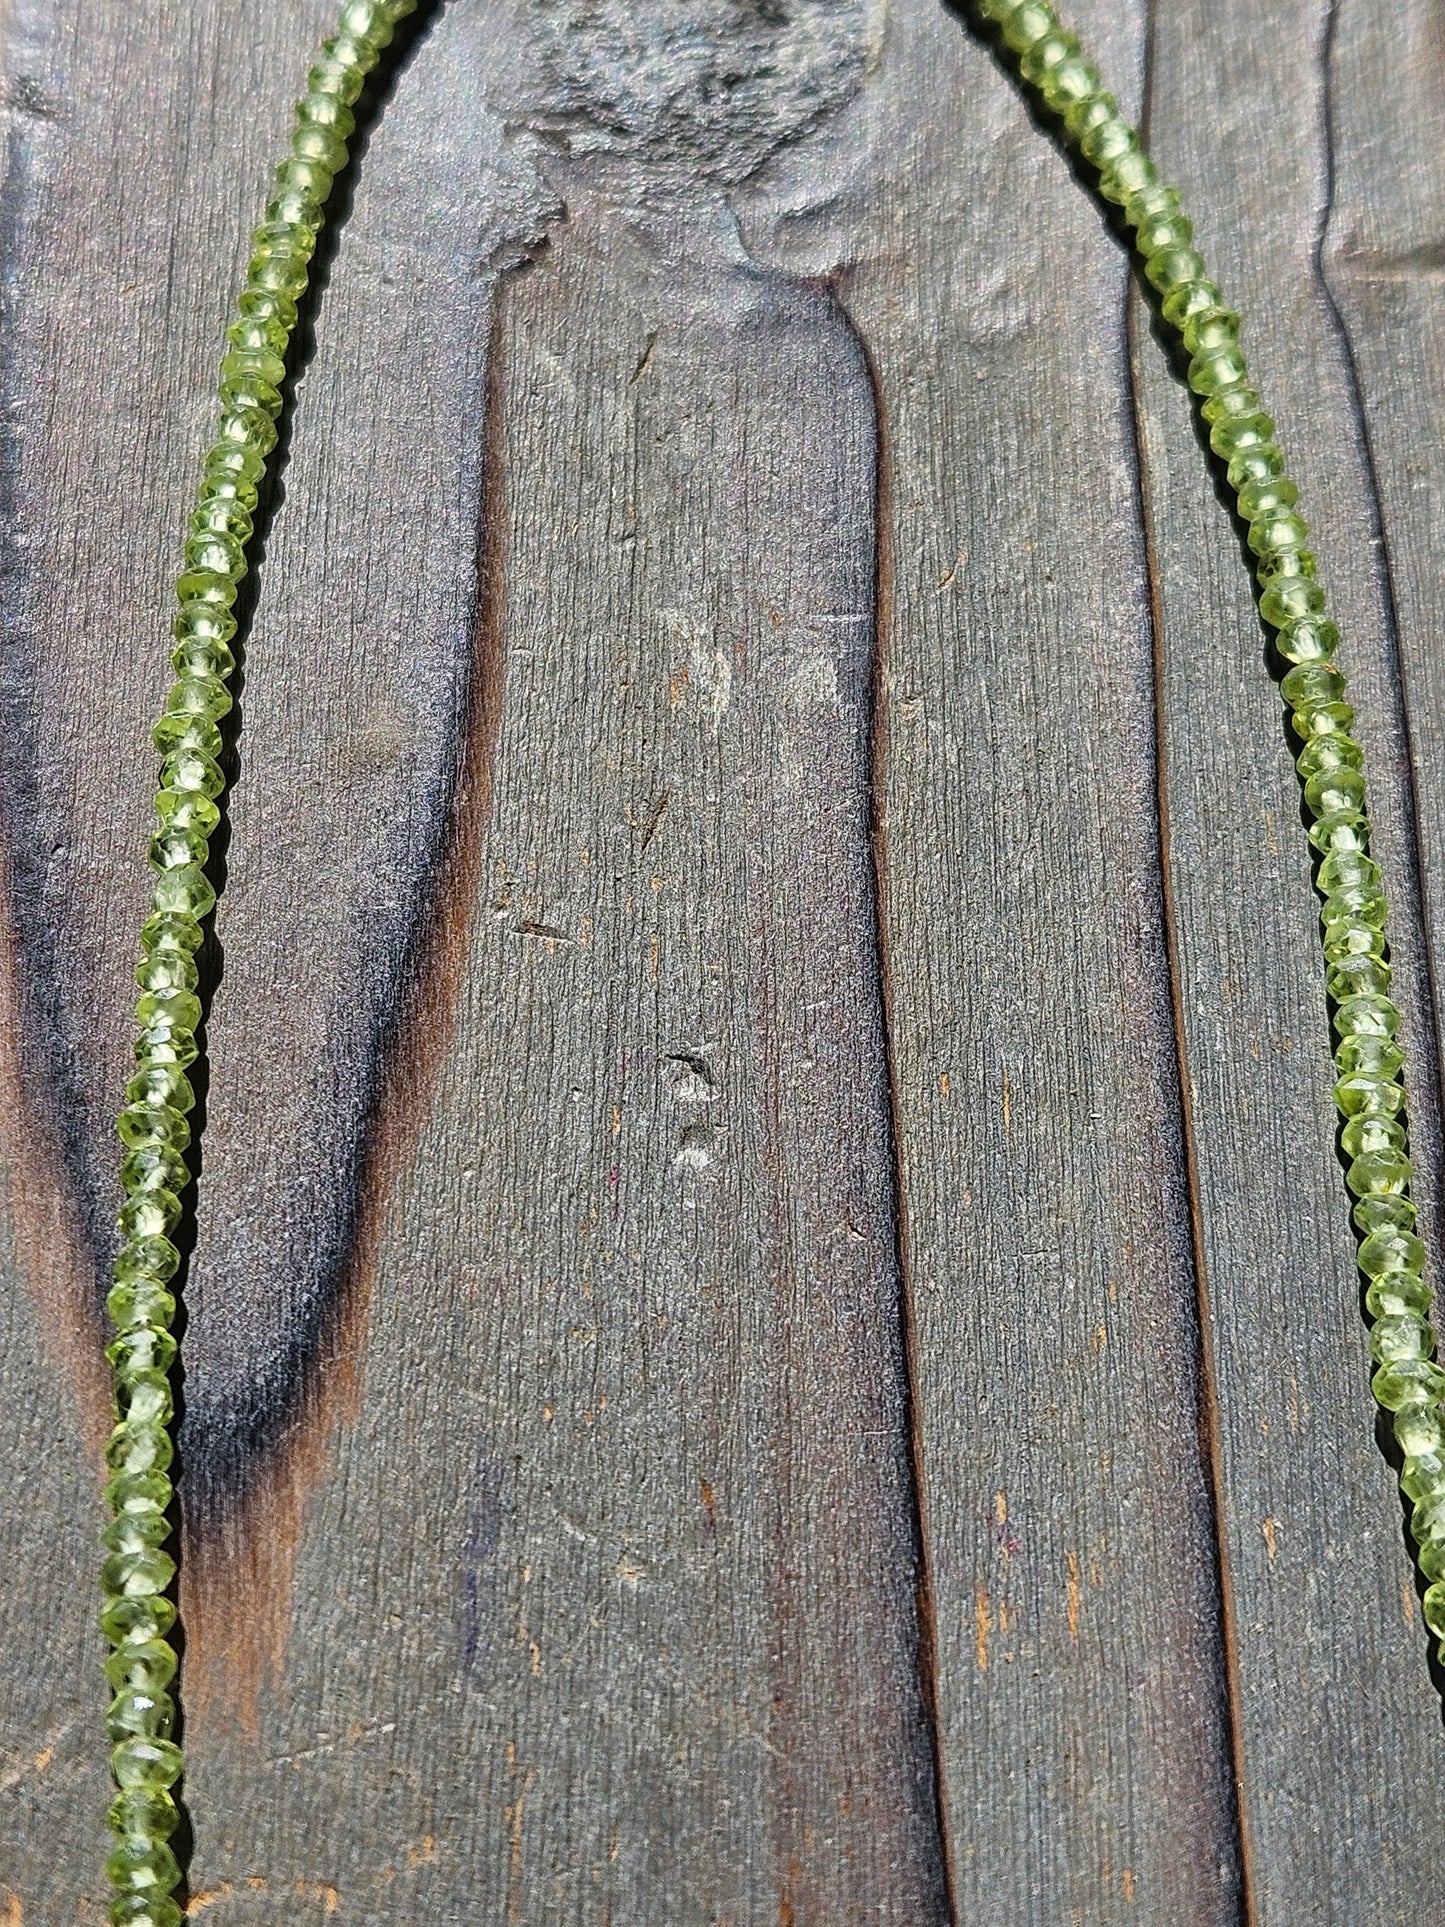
x: 138, y: 1616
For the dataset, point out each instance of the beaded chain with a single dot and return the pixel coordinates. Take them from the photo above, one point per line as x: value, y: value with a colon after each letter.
x: 138, y: 1617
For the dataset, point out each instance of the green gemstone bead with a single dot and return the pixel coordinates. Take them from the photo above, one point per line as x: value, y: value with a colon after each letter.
x: 242, y: 364
x: 1277, y: 531
x: 1341, y: 830
x: 143, y: 1124
x: 135, y: 1575
x: 1348, y: 872
x: 1050, y: 50
x: 340, y: 74
x: 146, y: 1258
x: 147, y: 1715
x: 137, y: 1447
x: 281, y: 274
x: 252, y: 428
x: 234, y: 467
x: 1393, y: 1340
x: 1420, y: 1430
x: 174, y: 849
x: 317, y: 144
x: 142, y: 1666
x: 1278, y: 564
x: 165, y: 1047
x: 191, y: 769
x: 203, y: 659
x: 1323, y: 719
x: 1367, y: 1016
x: 214, y: 554
x: 1353, y: 976
x: 167, y: 970
x: 1384, y: 1214
x: 294, y: 208
x: 139, y: 1492
x: 1255, y: 466
x: 1430, y: 1557
x: 1353, y: 937
x: 136, y: 1532
x: 1312, y: 684
x: 204, y: 696
x: 202, y: 621
x: 1267, y: 496
x: 187, y: 810
x: 1071, y: 84
x: 246, y: 392
x: 372, y: 22
x: 143, y: 1303
x: 1377, y: 1173
x: 1398, y: 1295
x: 1022, y: 22
x: 186, y: 891
x: 1129, y: 173
x: 1287, y: 600
x: 1172, y: 268
x: 143, y: 1910
x: 323, y: 110
x: 1362, y: 1094
x: 1189, y: 299
x: 1411, y: 1381
x: 137, y: 1618
x: 1211, y: 329
x: 146, y: 1398
x: 1171, y: 229
x: 1213, y: 372
x: 1238, y: 401
x: 162, y: 1086
x: 142, y: 1351
x: 205, y: 586
x: 150, y: 1214
x: 1328, y: 752
x: 222, y: 515
x: 1309, y: 639
x: 258, y: 303
x: 1423, y: 1476
x: 173, y: 735
x: 1374, y: 1056
x: 143, y: 1813
x: 1371, y: 1135
x: 143, y: 1869
x: 261, y: 334
x: 1234, y: 434
x: 141, y: 1762
x: 1332, y: 790
x: 1433, y: 1609
x: 180, y: 1008
x: 1391, y: 1251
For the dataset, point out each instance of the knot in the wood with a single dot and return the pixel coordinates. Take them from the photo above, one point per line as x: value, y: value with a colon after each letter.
x: 712, y: 87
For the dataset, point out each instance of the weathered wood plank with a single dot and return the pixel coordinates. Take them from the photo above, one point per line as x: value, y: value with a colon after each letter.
x: 1083, y: 1731
x: 1328, y: 1649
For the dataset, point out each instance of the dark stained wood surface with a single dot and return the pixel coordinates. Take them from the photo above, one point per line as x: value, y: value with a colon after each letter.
x: 773, y: 1334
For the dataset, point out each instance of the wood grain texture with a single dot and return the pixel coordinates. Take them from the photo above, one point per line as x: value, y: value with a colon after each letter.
x: 1066, y: 1502
x: 772, y: 1335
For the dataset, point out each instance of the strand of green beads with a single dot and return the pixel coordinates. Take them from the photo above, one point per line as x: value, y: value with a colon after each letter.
x: 137, y: 1616
x: 1369, y: 1093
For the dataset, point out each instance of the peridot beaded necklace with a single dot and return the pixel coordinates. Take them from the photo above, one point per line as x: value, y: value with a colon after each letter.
x: 138, y: 1617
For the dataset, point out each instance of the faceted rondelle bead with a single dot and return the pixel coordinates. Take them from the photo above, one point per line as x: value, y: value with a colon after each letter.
x: 143, y: 1868
x: 137, y: 1447
x: 141, y: 1910
x: 142, y: 1762
x: 1411, y: 1379
x: 1378, y: 1172
x: 137, y: 1617
x: 143, y: 1813
x: 145, y: 1665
